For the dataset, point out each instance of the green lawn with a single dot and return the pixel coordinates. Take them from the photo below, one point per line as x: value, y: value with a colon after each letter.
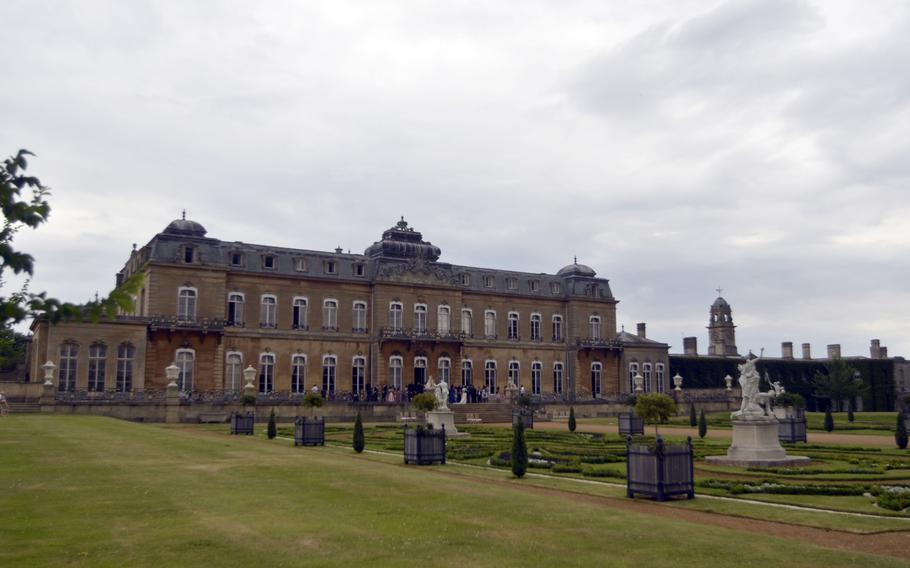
x: 90, y: 491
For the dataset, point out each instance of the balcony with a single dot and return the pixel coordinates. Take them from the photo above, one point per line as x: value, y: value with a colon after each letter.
x: 597, y: 343
x: 431, y: 335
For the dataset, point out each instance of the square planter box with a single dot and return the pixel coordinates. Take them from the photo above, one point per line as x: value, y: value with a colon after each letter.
x: 630, y: 425
x: 527, y: 419
x: 659, y: 471
x: 242, y: 423
x: 423, y: 446
x: 791, y: 427
x: 309, y: 432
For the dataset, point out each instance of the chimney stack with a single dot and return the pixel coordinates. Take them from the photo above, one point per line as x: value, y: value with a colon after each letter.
x: 875, y: 350
x: 641, y: 331
x: 884, y: 352
x: 690, y: 346
x: 834, y: 351
x: 807, y: 350
x: 786, y: 349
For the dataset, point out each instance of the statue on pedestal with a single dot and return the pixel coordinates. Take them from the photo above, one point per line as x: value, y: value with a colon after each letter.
x: 442, y: 395
x: 748, y: 382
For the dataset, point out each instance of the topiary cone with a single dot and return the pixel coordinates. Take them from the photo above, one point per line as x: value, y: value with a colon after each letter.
x: 571, y: 419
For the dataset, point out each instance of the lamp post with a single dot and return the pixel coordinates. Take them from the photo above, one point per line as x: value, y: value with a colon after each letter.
x: 172, y: 372
x: 639, y: 382
x: 677, y: 382
x: 49, y: 369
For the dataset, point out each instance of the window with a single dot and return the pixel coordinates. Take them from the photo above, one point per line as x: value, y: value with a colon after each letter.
x: 467, y: 322
x: 300, y: 264
x: 488, y: 282
x: 358, y: 270
x: 444, y: 370
x: 395, y: 366
x: 512, y: 283
x: 236, y: 259
x: 97, y: 359
x: 557, y: 378
x: 557, y: 328
x: 420, y: 318
x: 298, y: 374
x: 360, y: 317
x: 235, y: 309
x: 514, y: 375
x: 535, y: 327
x: 594, y: 324
x: 186, y: 304
x: 185, y: 360
x: 233, y: 371
x: 266, y: 373
x: 67, y: 372
x: 188, y: 254
x: 596, y: 379
x: 660, y: 377
x: 420, y: 370
x: 330, y: 266
x: 489, y: 324
x: 534, y: 285
x: 467, y: 373
x: 442, y: 320
x: 465, y: 279
x: 536, y: 369
x: 299, y: 313
x: 358, y: 375
x: 489, y: 376
x: 395, y: 316
x: 513, y: 325
x: 633, y: 370
x: 125, y: 354
x: 329, y: 362
x: 268, y: 311
x: 330, y: 315
x: 268, y: 262
x: 555, y: 288
x: 646, y: 374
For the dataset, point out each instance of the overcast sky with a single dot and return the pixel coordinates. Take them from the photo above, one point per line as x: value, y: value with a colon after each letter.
x: 761, y: 146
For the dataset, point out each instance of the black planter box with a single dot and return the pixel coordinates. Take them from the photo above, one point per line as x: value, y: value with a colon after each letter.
x: 242, y: 423
x: 630, y: 425
x: 309, y: 432
x: 659, y: 471
x: 423, y: 446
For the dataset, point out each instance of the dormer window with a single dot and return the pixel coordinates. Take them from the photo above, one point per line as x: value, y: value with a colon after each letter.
x: 512, y: 283
x: 188, y: 254
x: 465, y: 279
x: 555, y: 288
x: 300, y: 264
x: 358, y: 270
x: 488, y: 282
x: 268, y: 262
x: 534, y: 285
x: 331, y: 267
x: 236, y: 259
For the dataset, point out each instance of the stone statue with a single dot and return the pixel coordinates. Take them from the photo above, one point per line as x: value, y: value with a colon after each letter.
x: 442, y: 395
x: 430, y: 386
x: 748, y: 382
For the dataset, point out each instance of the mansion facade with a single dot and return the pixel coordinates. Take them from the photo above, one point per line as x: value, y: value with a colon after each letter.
x: 344, y: 323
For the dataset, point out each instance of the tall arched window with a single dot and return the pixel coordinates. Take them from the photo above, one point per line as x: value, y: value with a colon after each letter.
x: 557, y: 377
x: 633, y: 370
x: 595, y: 331
x: 444, y: 370
x: 358, y: 375
x: 235, y: 309
x: 396, y: 364
x: 330, y: 315
x: 513, y: 325
x: 467, y: 373
x: 329, y: 362
x: 360, y: 317
x: 420, y: 318
x: 489, y: 376
x: 97, y: 361
x: 514, y: 374
x: 299, y: 313
x: 185, y: 360
x: 659, y: 379
x: 646, y: 373
x: 597, y: 371
x: 489, y: 324
x: 298, y: 374
x: 125, y: 354
x: 233, y: 371
x: 269, y: 311
x: 442, y: 320
x: 535, y: 327
x: 186, y: 304
x: 536, y: 369
x: 395, y: 316
x: 266, y: 373
x: 467, y: 322
x: 557, y: 328
x: 420, y: 370
x: 67, y: 373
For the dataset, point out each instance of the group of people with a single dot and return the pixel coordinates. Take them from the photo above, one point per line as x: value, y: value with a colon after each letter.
x: 389, y: 394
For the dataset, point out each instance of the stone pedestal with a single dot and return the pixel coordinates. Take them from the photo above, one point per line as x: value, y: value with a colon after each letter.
x: 172, y: 404
x: 756, y: 444
x: 48, y: 400
x: 440, y: 418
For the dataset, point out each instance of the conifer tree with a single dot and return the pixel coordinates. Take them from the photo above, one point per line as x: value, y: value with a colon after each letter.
x: 702, y: 425
x: 829, y: 420
x: 358, y: 435
x: 692, y: 420
x: 519, y: 449
x: 273, y: 428
x: 571, y: 419
x: 900, y: 435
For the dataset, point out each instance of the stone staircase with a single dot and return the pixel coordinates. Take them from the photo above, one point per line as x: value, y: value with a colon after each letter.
x: 24, y: 407
x: 488, y: 412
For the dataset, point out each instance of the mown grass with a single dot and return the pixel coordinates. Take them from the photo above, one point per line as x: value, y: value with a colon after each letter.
x: 91, y: 491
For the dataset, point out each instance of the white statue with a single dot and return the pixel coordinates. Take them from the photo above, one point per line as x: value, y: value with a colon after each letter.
x: 430, y: 386
x: 748, y: 382
x: 442, y: 395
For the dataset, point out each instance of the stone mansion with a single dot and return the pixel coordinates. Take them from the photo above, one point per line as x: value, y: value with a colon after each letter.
x: 347, y: 322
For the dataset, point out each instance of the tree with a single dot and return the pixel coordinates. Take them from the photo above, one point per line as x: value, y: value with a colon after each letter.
x: 358, y: 435
x: 31, y: 211
x: 572, y: 419
x: 424, y: 402
x: 519, y: 449
x: 313, y: 400
x: 655, y: 409
x: 900, y: 435
x: 702, y: 425
x: 13, y: 347
x: 840, y: 383
x: 273, y: 428
x: 829, y: 420
x: 692, y: 420
x: 850, y: 416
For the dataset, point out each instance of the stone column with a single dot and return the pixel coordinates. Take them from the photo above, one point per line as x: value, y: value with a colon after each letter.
x: 172, y: 396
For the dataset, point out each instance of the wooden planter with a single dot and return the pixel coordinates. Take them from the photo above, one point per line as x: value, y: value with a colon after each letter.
x: 309, y: 432
x: 527, y: 418
x: 630, y: 425
x: 242, y: 423
x: 659, y: 471
x: 792, y: 428
x: 423, y: 446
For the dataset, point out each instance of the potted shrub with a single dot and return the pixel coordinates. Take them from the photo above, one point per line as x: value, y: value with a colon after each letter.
x: 790, y: 405
x: 629, y: 423
x: 424, y: 445
x: 424, y: 402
